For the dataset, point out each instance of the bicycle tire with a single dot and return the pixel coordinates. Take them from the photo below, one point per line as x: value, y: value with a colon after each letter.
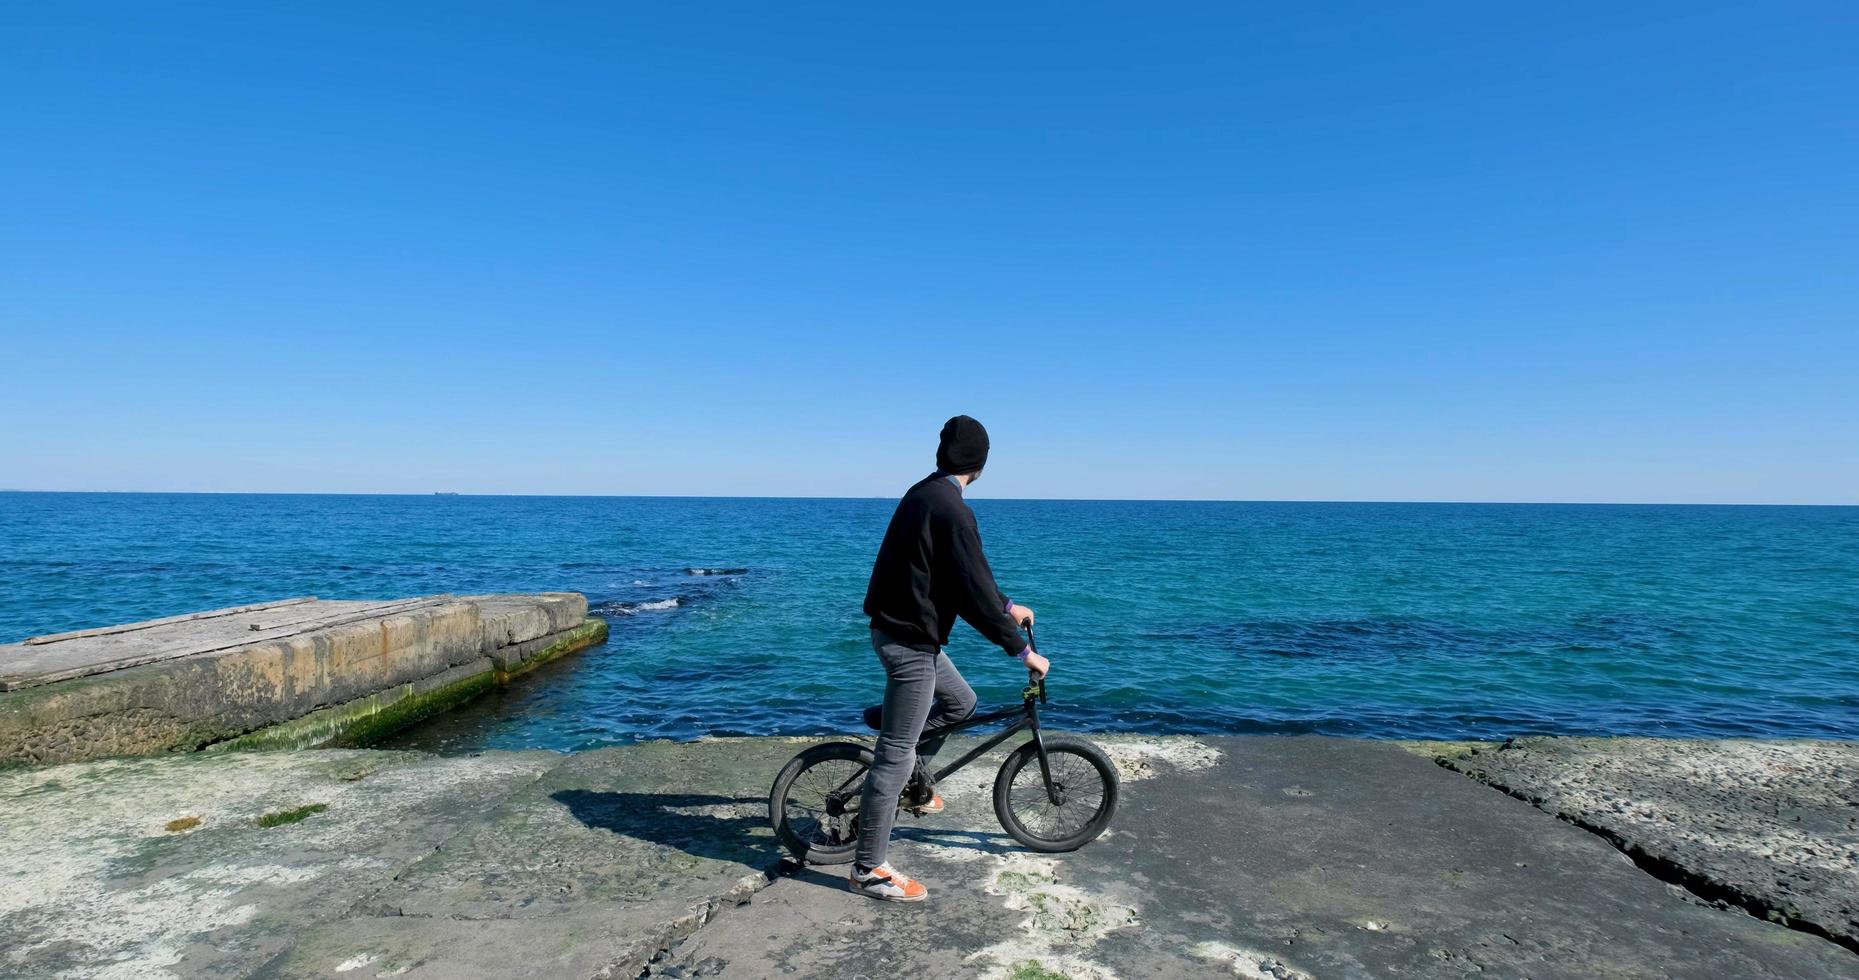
x: 1062, y: 751
x: 808, y: 845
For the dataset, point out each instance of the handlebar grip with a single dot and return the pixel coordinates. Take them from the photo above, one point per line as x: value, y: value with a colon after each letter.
x: 1033, y: 677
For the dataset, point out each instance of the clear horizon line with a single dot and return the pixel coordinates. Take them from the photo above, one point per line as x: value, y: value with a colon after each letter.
x: 1129, y: 500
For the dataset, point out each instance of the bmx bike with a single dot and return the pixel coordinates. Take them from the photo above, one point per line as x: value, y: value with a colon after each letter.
x: 1060, y: 804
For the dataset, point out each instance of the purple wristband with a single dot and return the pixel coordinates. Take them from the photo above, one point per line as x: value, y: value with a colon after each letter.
x: 1008, y: 608
x: 1021, y: 656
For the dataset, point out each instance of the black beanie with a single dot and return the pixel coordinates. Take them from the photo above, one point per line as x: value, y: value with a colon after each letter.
x: 964, y: 446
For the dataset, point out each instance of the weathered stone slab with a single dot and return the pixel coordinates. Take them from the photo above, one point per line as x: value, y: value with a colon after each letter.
x: 167, y: 620
x: 1769, y: 826
x: 365, y: 721
x: 46, y: 659
x: 419, y: 866
x: 351, y: 660
x: 1260, y: 857
x: 649, y: 823
x: 508, y: 620
x: 361, y: 722
x: 95, y: 885
x: 519, y: 657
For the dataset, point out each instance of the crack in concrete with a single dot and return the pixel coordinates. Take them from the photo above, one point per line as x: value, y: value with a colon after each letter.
x: 678, y: 931
x: 1708, y: 890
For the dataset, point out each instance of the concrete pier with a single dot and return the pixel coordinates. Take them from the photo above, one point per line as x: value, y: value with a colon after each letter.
x: 292, y: 673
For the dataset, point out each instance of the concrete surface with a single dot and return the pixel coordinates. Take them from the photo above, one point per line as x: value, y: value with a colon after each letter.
x: 1769, y: 826
x: 81, y: 653
x: 1291, y: 858
x: 1240, y: 857
x: 526, y: 864
x: 185, y: 682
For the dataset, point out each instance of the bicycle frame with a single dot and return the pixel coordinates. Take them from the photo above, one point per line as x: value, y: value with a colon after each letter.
x: 1031, y: 698
x: 1029, y: 721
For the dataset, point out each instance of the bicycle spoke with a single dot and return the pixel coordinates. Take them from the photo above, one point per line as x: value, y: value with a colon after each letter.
x: 807, y: 809
x: 1080, y: 785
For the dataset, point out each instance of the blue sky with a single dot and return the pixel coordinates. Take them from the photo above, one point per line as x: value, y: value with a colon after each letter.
x: 1377, y: 251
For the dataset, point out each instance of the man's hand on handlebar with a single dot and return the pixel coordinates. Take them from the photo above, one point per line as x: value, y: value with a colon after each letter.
x: 1020, y: 614
x: 1038, y: 664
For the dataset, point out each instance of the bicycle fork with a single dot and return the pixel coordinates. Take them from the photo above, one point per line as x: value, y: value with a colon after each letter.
x: 1054, y: 792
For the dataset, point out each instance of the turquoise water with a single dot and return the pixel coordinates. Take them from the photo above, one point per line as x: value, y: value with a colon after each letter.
x: 1358, y: 619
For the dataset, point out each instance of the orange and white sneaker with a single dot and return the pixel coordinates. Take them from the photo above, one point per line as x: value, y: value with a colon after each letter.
x: 882, y: 882
x: 932, y: 805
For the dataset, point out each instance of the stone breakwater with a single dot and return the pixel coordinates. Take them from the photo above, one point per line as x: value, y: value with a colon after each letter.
x: 1281, y: 858
x: 288, y: 674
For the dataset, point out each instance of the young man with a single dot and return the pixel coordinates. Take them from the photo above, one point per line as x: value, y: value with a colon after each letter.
x: 929, y: 571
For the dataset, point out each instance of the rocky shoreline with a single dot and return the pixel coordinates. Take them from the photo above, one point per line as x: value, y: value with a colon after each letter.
x: 1249, y: 857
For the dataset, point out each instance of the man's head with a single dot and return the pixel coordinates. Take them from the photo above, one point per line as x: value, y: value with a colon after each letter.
x: 963, y: 449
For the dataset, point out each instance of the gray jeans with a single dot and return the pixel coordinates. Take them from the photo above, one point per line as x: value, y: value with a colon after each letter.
x: 920, y: 688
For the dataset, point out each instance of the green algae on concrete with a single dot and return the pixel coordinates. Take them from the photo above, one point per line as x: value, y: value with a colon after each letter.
x: 364, y: 721
x: 414, y: 705
x: 296, y: 814
x: 591, y: 633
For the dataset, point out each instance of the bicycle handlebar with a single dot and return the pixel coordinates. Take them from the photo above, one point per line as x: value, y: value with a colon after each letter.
x: 1034, y: 679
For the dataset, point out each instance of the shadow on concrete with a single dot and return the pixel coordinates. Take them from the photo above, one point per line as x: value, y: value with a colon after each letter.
x: 729, y: 828
x: 834, y: 876
x: 721, y: 828
x: 985, y: 841
x: 831, y: 876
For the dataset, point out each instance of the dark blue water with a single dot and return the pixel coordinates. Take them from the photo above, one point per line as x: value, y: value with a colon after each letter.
x: 1359, y: 619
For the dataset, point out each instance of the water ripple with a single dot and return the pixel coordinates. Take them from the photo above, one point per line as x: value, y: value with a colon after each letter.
x: 741, y: 616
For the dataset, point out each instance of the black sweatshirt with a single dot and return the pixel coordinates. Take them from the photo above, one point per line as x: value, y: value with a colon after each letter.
x: 930, y: 570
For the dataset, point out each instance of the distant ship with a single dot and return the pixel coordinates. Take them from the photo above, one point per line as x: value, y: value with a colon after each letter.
x: 445, y: 493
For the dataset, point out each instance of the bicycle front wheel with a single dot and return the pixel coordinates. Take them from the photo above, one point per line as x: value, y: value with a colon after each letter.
x: 1079, y: 808
x: 814, y: 803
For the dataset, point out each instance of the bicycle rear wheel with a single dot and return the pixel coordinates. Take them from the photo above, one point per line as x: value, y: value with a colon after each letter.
x: 814, y: 802
x: 1086, y: 783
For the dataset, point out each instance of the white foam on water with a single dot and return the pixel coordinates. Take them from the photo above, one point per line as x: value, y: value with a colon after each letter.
x: 658, y: 605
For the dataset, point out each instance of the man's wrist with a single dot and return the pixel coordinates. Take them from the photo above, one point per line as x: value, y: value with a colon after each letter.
x: 1021, y: 656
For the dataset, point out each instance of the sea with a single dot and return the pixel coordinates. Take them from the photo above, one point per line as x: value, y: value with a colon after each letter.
x: 740, y: 616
